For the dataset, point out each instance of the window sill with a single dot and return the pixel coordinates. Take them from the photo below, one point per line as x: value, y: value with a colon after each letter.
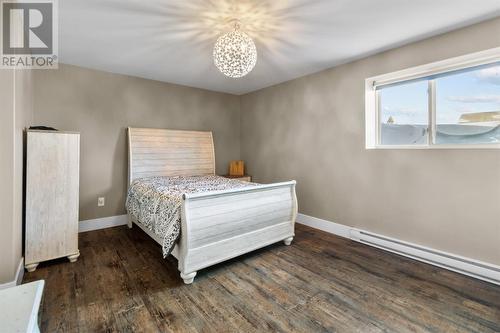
x: 491, y: 146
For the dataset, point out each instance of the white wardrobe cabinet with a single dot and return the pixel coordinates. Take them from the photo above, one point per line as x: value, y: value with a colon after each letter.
x: 52, y: 185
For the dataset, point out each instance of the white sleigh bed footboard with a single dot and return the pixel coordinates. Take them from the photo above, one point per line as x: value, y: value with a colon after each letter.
x: 217, y: 226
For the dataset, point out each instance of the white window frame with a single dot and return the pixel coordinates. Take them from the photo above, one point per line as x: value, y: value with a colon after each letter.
x: 372, y: 101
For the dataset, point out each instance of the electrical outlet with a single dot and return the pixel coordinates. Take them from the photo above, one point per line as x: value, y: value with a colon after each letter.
x: 100, y: 202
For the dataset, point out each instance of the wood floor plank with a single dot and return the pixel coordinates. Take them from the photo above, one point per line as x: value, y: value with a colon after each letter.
x: 322, y: 283
x: 387, y: 290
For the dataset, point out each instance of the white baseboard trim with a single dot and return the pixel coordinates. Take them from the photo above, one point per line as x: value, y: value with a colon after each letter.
x: 467, y: 266
x: 18, y: 278
x: 330, y: 227
x: 102, y: 223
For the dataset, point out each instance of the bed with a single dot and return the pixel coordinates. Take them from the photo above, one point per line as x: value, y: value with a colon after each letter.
x: 218, y: 221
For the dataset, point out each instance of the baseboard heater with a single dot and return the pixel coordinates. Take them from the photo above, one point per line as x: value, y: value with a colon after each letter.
x: 470, y: 267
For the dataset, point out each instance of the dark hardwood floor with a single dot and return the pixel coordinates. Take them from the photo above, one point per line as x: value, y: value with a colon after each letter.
x: 322, y: 283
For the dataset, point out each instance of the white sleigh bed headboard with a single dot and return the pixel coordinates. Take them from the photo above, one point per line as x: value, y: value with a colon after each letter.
x: 163, y: 152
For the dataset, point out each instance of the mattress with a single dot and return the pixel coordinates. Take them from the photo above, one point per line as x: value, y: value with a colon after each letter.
x: 155, y: 202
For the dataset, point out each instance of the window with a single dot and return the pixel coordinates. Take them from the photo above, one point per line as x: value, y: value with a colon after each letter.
x: 468, y: 107
x: 404, y: 113
x: 450, y: 104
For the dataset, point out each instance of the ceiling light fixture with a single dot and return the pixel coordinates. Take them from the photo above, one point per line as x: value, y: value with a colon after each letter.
x: 235, y: 54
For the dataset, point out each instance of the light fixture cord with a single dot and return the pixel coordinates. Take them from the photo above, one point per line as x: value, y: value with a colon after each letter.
x: 237, y: 24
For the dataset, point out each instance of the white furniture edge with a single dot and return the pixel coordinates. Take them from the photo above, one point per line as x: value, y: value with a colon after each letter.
x: 467, y: 266
x: 442, y: 66
x: 33, y: 324
x: 22, y: 304
x: 237, y: 190
x: 216, y: 226
x: 18, y: 277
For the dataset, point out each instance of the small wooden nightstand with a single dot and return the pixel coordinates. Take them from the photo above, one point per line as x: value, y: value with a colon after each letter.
x: 245, y: 178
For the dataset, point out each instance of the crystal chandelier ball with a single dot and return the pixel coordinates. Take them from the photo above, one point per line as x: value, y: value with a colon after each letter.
x: 235, y: 54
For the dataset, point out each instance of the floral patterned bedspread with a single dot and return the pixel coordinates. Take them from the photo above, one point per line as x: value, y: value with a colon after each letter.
x: 155, y: 202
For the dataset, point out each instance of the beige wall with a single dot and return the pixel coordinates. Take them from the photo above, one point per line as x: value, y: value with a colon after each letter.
x: 312, y: 129
x: 15, y: 113
x: 7, y: 256
x: 102, y: 105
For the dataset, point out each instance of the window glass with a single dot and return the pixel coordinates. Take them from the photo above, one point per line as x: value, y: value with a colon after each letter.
x: 403, y: 113
x: 468, y: 107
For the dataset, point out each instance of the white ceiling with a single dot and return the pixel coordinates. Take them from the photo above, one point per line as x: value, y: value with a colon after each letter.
x: 172, y: 41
